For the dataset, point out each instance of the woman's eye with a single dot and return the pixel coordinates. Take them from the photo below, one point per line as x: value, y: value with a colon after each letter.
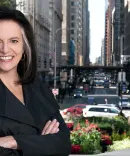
x: 14, y: 41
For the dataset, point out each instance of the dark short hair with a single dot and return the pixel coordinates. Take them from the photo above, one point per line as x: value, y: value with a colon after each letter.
x: 27, y: 67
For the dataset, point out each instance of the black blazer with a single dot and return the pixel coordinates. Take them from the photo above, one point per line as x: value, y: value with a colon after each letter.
x: 25, y: 122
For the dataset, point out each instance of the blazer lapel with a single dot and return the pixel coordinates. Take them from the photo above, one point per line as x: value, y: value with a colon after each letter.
x: 11, y: 107
x: 38, y: 105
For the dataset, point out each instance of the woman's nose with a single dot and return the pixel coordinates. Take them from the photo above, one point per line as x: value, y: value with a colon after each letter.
x: 4, y: 47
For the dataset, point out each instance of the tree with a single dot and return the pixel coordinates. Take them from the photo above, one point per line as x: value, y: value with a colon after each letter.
x: 8, y: 3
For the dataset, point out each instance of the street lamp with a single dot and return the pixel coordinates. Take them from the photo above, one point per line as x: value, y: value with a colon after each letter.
x: 55, y: 58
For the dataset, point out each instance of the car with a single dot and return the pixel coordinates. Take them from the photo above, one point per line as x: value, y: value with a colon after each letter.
x: 111, y: 105
x: 91, y: 101
x: 76, y: 108
x: 100, y: 111
x: 78, y: 93
x: 124, y: 102
x: 125, y: 90
x: 106, y: 84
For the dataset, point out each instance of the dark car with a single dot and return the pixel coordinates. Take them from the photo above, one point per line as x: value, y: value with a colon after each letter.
x: 78, y: 93
x: 91, y: 101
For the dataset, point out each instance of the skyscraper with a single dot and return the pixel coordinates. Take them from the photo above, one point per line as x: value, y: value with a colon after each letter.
x: 108, y: 32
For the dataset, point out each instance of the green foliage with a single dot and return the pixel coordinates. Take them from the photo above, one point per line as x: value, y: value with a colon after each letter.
x: 90, y: 143
x: 90, y: 138
x: 116, y: 136
x: 8, y: 3
x: 87, y: 137
x: 118, y: 124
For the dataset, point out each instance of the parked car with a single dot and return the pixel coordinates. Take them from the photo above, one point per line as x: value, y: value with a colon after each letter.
x: 97, y: 110
x: 78, y: 93
x: 111, y: 105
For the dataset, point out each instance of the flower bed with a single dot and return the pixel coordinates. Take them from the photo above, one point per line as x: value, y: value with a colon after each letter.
x: 94, y: 135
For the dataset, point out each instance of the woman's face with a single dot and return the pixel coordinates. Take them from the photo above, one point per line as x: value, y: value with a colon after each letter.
x: 11, y: 45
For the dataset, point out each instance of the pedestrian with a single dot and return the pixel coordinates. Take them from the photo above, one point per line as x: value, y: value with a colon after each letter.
x: 30, y: 122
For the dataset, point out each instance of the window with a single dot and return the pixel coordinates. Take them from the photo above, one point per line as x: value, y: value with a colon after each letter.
x: 98, y: 109
x: 72, y: 24
x: 72, y: 31
x: 72, y: 3
x: 113, y: 111
x: 93, y: 109
x: 45, y: 63
x: 72, y: 17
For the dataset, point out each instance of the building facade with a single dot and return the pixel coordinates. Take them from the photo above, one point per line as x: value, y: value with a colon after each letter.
x: 86, y: 34
x: 102, y: 53
x: 108, y: 32
x: 127, y: 31
x: 76, y: 28
x: 37, y: 14
x: 65, y: 32
x: 55, y: 13
x: 118, y: 32
x: 98, y: 61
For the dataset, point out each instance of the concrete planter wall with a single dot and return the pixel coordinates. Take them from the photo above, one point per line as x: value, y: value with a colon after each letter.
x: 125, y: 152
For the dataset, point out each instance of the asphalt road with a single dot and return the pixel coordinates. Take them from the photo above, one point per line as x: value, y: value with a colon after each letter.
x: 100, y: 94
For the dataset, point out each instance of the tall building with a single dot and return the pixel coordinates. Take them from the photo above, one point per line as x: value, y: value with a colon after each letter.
x: 86, y: 41
x: 37, y: 14
x: 118, y: 31
x: 98, y: 61
x: 65, y: 57
x: 102, y: 53
x: 55, y: 13
x: 108, y: 32
x: 77, y: 27
x: 127, y: 31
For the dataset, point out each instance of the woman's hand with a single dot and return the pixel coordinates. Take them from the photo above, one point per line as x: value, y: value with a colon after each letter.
x: 8, y: 142
x: 51, y: 127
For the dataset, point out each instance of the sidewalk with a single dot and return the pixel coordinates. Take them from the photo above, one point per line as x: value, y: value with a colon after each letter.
x: 125, y: 152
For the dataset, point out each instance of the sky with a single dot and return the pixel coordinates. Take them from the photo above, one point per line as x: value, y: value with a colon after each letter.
x: 97, y: 27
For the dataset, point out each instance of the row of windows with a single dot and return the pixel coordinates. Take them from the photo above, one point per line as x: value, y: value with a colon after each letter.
x: 73, y: 3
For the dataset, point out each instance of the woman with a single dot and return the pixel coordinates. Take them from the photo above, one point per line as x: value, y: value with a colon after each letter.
x: 30, y: 122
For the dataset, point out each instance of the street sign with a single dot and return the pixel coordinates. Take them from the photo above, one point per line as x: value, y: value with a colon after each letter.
x: 122, y: 77
x: 55, y: 92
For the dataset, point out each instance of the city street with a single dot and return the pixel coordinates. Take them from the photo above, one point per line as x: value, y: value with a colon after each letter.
x: 100, y: 94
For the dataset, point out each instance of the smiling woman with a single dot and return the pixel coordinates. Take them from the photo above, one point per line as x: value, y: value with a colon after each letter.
x: 11, y: 45
x: 30, y: 122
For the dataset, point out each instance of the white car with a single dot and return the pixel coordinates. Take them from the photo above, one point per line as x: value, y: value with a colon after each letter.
x: 124, y: 102
x: 103, y: 111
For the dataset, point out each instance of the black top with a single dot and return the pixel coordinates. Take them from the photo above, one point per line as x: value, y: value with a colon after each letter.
x: 25, y: 122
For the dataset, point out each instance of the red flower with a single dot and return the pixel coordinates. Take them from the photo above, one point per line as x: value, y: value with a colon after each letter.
x: 107, y: 142
x: 75, y: 149
x: 124, y: 133
x: 105, y: 137
x: 70, y: 125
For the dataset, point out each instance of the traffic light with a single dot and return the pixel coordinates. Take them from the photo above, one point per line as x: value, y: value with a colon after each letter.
x: 119, y: 89
x: 45, y: 63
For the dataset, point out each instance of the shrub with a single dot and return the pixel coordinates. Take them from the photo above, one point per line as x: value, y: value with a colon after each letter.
x: 86, y: 139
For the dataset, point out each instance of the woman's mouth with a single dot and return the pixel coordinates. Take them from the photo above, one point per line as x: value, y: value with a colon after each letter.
x: 6, y: 58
